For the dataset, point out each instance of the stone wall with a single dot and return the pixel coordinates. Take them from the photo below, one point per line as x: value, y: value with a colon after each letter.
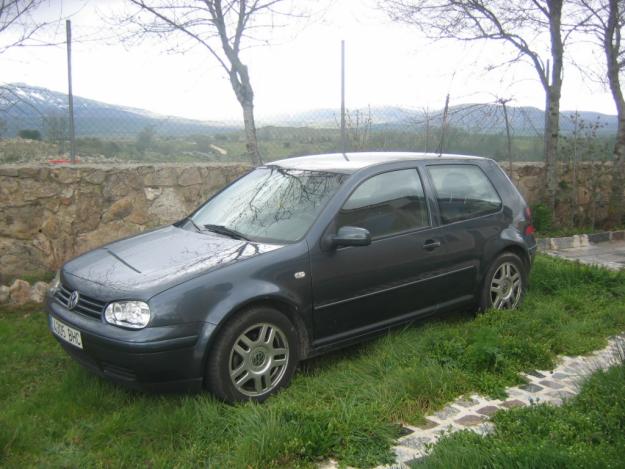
x: 50, y: 213
x: 583, y: 190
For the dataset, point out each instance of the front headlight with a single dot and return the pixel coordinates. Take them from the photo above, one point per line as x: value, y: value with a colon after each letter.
x: 55, y: 284
x: 133, y: 314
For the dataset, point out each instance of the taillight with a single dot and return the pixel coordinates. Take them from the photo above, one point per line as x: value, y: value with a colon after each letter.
x: 529, y: 228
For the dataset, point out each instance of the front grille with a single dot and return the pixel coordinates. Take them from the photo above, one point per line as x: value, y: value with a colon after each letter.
x: 86, y: 305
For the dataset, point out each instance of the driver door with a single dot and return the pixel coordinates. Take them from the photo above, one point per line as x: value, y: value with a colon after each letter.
x: 356, y: 289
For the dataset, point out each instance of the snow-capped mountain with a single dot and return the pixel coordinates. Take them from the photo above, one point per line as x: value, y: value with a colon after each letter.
x: 29, y: 107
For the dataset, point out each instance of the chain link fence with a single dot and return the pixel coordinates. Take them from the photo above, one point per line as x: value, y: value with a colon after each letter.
x: 34, y: 127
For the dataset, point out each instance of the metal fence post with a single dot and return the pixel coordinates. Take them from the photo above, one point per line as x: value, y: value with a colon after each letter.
x: 343, y: 135
x: 70, y: 96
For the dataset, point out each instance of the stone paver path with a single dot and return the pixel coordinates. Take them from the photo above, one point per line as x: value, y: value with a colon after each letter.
x: 473, y: 412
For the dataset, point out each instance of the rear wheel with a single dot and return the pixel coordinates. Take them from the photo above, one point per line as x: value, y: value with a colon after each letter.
x: 505, y: 283
x: 254, y: 356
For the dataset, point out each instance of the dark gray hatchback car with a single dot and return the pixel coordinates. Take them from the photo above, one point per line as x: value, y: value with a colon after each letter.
x: 295, y: 258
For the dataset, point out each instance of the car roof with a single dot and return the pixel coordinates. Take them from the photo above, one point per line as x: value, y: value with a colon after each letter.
x: 351, y: 162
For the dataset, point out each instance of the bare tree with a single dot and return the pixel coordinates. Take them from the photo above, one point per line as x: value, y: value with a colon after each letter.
x: 606, y: 24
x: 18, y: 24
x: 517, y: 23
x: 358, y: 124
x: 222, y: 28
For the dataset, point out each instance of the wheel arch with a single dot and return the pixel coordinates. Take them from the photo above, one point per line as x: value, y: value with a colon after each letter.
x: 508, y: 247
x: 282, y: 305
x: 519, y: 251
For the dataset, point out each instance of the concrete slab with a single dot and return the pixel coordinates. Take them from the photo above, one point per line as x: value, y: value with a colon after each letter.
x: 610, y: 254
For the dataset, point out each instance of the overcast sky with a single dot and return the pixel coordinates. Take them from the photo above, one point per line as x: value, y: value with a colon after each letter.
x: 387, y: 64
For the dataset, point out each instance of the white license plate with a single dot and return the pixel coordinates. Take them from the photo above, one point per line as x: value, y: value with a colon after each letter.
x: 68, y: 334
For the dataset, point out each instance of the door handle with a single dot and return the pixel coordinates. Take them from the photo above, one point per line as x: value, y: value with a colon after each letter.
x: 431, y: 244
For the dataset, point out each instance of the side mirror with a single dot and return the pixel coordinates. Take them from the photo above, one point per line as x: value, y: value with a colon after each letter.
x: 351, y: 236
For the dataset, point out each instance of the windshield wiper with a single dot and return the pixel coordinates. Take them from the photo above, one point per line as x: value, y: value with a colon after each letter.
x: 224, y: 230
x: 194, y: 224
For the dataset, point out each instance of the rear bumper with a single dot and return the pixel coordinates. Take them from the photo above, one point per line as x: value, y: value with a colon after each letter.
x: 159, y: 359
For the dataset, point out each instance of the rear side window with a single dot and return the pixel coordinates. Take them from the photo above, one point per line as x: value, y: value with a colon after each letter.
x: 387, y: 203
x: 463, y: 191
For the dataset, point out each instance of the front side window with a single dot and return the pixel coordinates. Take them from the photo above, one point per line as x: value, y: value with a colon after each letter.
x: 387, y: 203
x: 270, y: 203
x: 463, y: 191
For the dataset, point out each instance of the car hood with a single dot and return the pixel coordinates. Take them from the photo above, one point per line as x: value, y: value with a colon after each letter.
x: 159, y: 259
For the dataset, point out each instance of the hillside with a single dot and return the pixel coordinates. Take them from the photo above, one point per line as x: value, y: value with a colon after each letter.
x: 475, y: 118
x: 29, y: 107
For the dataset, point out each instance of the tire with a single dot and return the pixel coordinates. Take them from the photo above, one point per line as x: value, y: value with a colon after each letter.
x: 259, y: 347
x: 504, y: 284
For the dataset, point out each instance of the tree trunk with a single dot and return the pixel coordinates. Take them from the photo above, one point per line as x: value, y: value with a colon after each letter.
x: 574, y: 157
x: 251, y: 143
x: 240, y: 80
x: 617, y: 198
x: 552, y: 110
x: 552, y: 131
x: 616, y: 208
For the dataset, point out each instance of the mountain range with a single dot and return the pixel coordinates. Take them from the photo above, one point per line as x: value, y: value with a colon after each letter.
x: 29, y: 107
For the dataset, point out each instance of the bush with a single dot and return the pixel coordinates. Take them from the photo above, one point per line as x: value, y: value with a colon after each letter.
x: 29, y: 134
x: 542, y: 217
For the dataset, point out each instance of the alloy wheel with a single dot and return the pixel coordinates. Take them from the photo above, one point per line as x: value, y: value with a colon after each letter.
x: 258, y: 359
x: 506, y: 287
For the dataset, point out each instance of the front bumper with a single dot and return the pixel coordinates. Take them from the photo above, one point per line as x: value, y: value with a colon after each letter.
x: 167, y: 358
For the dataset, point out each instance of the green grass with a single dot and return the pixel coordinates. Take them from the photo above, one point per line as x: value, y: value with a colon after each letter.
x: 587, y: 431
x: 345, y: 405
x: 32, y: 278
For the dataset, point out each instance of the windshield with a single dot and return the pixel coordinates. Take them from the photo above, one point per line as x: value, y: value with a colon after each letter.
x: 269, y: 204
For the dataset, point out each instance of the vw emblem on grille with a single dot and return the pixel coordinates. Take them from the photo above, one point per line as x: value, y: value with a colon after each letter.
x: 73, y: 300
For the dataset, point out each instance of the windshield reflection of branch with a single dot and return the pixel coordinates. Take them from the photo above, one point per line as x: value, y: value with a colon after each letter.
x: 281, y: 196
x: 309, y: 190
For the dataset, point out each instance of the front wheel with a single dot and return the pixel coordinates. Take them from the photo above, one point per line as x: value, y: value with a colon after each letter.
x: 505, y: 283
x: 254, y: 356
